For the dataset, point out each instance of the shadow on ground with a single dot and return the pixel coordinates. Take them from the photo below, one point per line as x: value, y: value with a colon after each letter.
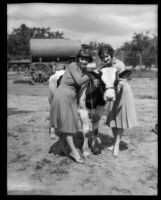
x: 14, y: 111
x: 59, y: 148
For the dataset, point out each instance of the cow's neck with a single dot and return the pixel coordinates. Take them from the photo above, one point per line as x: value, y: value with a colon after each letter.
x: 92, y: 96
x: 80, y: 92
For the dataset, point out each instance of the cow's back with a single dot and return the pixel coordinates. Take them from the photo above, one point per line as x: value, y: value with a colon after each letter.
x: 53, y: 83
x: 53, y: 80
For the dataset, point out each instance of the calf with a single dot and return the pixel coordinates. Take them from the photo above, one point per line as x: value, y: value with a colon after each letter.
x: 92, y: 102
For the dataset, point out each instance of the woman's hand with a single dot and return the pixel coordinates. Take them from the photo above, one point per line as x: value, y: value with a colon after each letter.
x: 118, y: 89
x: 84, y: 70
x: 95, y: 82
x: 119, y: 86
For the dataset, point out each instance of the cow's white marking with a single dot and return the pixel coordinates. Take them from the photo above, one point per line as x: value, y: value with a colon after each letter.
x: 53, y: 83
x: 108, y: 77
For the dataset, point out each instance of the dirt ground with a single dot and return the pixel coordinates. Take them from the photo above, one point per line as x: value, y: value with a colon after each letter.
x: 32, y: 170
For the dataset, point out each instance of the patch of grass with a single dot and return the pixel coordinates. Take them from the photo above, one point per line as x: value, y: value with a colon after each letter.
x: 46, y: 161
x: 65, y: 162
x: 121, y: 190
x: 39, y: 165
x: 155, y: 186
x: 59, y: 171
x: 26, y: 142
x: 22, y: 81
x: 147, y: 97
x: 144, y: 74
x: 152, y: 173
x: 14, y: 111
x: 141, y: 181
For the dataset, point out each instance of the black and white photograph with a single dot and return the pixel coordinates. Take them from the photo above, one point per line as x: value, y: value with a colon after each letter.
x: 82, y: 99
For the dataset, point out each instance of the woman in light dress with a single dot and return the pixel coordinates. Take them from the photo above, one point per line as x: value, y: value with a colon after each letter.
x: 121, y: 114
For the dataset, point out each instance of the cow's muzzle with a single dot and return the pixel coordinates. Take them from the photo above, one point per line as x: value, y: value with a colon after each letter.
x: 109, y: 94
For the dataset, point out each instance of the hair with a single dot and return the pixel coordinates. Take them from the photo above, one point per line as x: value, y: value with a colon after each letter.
x: 84, y: 53
x: 105, y: 47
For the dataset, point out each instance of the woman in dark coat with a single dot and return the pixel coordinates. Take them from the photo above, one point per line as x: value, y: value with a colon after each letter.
x: 122, y: 113
x: 64, y: 113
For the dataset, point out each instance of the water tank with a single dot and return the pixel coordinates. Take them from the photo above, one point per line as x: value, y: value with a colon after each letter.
x: 48, y: 50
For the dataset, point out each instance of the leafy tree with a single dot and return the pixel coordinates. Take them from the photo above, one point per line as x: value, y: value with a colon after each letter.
x: 18, y: 40
x: 142, y: 50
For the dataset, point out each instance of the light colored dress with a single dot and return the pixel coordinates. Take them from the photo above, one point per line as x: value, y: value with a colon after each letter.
x: 64, y: 113
x: 122, y: 113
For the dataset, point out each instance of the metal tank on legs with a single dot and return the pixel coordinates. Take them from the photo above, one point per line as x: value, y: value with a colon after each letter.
x: 49, y: 54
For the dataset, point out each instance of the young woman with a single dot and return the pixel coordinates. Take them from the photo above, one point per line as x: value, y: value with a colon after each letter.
x: 122, y: 114
x: 63, y: 112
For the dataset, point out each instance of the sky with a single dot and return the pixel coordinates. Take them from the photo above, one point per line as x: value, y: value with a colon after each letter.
x: 114, y: 24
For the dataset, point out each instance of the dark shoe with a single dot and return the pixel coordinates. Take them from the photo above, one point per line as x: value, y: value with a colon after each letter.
x: 78, y: 160
x: 155, y: 130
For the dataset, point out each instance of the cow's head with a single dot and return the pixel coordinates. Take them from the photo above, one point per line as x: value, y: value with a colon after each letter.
x: 106, y: 89
x: 108, y: 84
x: 94, y: 95
x: 111, y: 77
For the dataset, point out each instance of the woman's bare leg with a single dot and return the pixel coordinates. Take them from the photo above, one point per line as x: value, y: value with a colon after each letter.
x: 119, y: 132
x: 70, y: 142
x: 74, y: 152
x: 114, y: 131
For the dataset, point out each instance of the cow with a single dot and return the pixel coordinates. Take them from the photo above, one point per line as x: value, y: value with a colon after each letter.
x: 92, y: 102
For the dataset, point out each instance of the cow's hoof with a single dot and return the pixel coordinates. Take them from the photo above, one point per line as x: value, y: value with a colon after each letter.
x: 86, y: 154
x: 96, y: 151
x: 110, y: 148
x: 115, y: 153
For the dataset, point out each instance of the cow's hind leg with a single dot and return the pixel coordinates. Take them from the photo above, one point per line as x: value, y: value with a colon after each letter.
x: 84, y: 118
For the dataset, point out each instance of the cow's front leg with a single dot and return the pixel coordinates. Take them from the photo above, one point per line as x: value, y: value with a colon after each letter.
x: 95, y: 122
x: 84, y: 118
x: 95, y: 132
x: 96, y: 148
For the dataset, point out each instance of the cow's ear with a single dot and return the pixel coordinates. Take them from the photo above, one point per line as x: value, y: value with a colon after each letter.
x: 116, y: 79
x: 117, y: 75
x: 100, y: 72
x: 125, y: 74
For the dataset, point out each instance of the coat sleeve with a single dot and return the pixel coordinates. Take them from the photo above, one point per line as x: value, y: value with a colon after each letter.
x: 77, y: 77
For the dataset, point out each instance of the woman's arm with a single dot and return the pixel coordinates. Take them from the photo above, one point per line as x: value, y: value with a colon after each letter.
x: 78, y: 78
x: 119, y: 65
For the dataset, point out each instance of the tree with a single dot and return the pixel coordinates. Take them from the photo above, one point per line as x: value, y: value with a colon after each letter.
x: 142, y: 50
x: 146, y: 48
x: 18, y: 40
